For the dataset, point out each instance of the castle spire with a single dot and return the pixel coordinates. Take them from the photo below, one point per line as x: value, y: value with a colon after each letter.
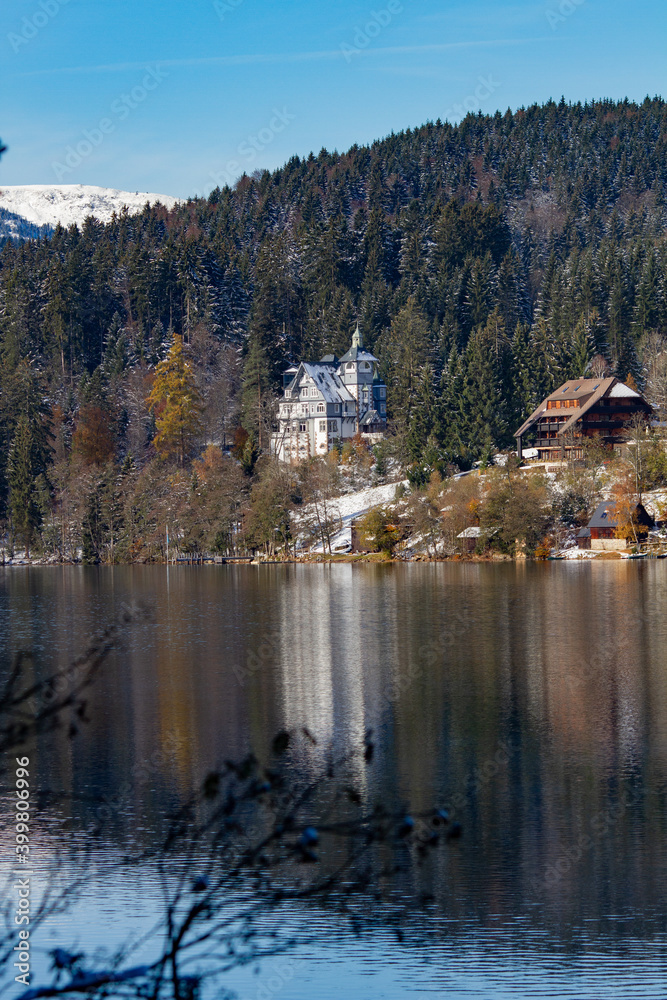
x: 357, y: 340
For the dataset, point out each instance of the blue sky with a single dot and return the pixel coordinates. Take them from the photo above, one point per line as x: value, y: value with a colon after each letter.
x: 171, y: 97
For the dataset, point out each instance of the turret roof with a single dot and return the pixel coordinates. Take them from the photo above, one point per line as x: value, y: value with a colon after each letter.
x: 356, y: 351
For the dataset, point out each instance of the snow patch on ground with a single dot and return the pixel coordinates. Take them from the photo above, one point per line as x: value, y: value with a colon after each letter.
x: 577, y: 553
x: 67, y: 204
x: 356, y: 504
x: 353, y: 505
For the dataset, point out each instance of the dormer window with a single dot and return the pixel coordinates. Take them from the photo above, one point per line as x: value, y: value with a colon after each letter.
x: 365, y: 366
x: 350, y: 366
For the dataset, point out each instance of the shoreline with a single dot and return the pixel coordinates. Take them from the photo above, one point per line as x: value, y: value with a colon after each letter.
x: 375, y: 558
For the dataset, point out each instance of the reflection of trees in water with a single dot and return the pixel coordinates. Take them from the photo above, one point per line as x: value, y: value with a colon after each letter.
x: 531, y: 699
x: 253, y: 843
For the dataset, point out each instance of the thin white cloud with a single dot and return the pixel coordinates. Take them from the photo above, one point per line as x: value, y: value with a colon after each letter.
x: 291, y: 57
x: 507, y: 15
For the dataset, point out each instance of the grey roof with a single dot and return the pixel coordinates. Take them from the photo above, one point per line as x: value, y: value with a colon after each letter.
x: 584, y: 533
x: 357, y: 354
x: 329, y: 359
x: 370, y: 417
x: 603, y: 516
x: 328, y: 382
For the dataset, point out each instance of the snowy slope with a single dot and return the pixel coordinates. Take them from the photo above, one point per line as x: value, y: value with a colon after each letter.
x: 353, y: 505
x: 49, y: 204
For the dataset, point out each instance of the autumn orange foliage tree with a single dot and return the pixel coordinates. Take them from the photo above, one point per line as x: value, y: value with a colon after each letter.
x: 176, y: 404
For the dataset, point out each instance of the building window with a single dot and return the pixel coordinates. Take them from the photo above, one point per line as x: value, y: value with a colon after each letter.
x: 333, y: 426
x: 350, y: 366
x: 365, y: 366
x: 302, y: 428
x: 320, y: 408
x: 323, y: 425
x: 336, y: 407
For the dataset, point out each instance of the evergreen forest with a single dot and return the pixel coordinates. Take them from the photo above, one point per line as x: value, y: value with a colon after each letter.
x: 485, y: 263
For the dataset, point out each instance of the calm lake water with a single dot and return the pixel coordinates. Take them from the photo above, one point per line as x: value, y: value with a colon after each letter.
x: 530, y: 699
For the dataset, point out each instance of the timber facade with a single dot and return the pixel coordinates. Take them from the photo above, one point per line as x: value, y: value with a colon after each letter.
x: 583, y: 408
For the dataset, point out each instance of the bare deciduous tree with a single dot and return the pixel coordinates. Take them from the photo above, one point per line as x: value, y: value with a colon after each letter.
x: 253, y: 842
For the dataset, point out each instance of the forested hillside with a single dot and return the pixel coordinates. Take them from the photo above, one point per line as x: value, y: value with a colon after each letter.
x: 484, y: 262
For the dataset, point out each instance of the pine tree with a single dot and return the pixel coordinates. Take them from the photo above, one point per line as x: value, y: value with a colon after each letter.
x: 510, y: 295
x: 480, y: 291
x: 583, y: 350
x: 482, y: 393
x: 24, y: 493
x: 425, y: 417
x: 452, y: 428
x: 403, y: 350
x: 523, y: 399
x: 277, y: 320
x: 257, y: 395
x: 22, y: 395
x: 545, y: 361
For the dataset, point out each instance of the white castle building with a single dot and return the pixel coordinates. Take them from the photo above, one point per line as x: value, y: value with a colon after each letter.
x: 330, y: 402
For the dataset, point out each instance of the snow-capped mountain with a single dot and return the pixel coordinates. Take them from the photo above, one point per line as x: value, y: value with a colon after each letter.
x: 25, y: 209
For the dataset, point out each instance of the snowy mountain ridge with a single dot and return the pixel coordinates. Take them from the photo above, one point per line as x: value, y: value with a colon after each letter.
x: 49, y: 204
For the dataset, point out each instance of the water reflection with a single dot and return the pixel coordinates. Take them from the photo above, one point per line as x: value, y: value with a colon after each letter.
x: 531, y: 699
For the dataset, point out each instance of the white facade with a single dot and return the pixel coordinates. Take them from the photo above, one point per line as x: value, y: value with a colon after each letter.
x: 328, y: 402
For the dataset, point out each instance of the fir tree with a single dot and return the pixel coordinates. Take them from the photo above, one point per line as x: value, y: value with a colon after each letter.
x: 583, y: 349
x: 24, y: 493
x: 424, y: 419
x: 403, y: 349
x: 482, y: 396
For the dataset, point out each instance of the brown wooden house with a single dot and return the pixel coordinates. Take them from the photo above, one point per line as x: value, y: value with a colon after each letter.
x: 582, y: 408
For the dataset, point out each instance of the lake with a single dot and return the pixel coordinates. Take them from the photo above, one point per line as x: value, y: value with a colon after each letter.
x: 529, y: 699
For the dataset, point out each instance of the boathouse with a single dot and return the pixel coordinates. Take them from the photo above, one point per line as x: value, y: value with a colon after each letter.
x: 602, y: 529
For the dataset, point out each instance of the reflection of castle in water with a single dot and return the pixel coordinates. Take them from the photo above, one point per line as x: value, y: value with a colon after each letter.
x: 321, y: 668
x: 335, y: 644
x: 533, y: 696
